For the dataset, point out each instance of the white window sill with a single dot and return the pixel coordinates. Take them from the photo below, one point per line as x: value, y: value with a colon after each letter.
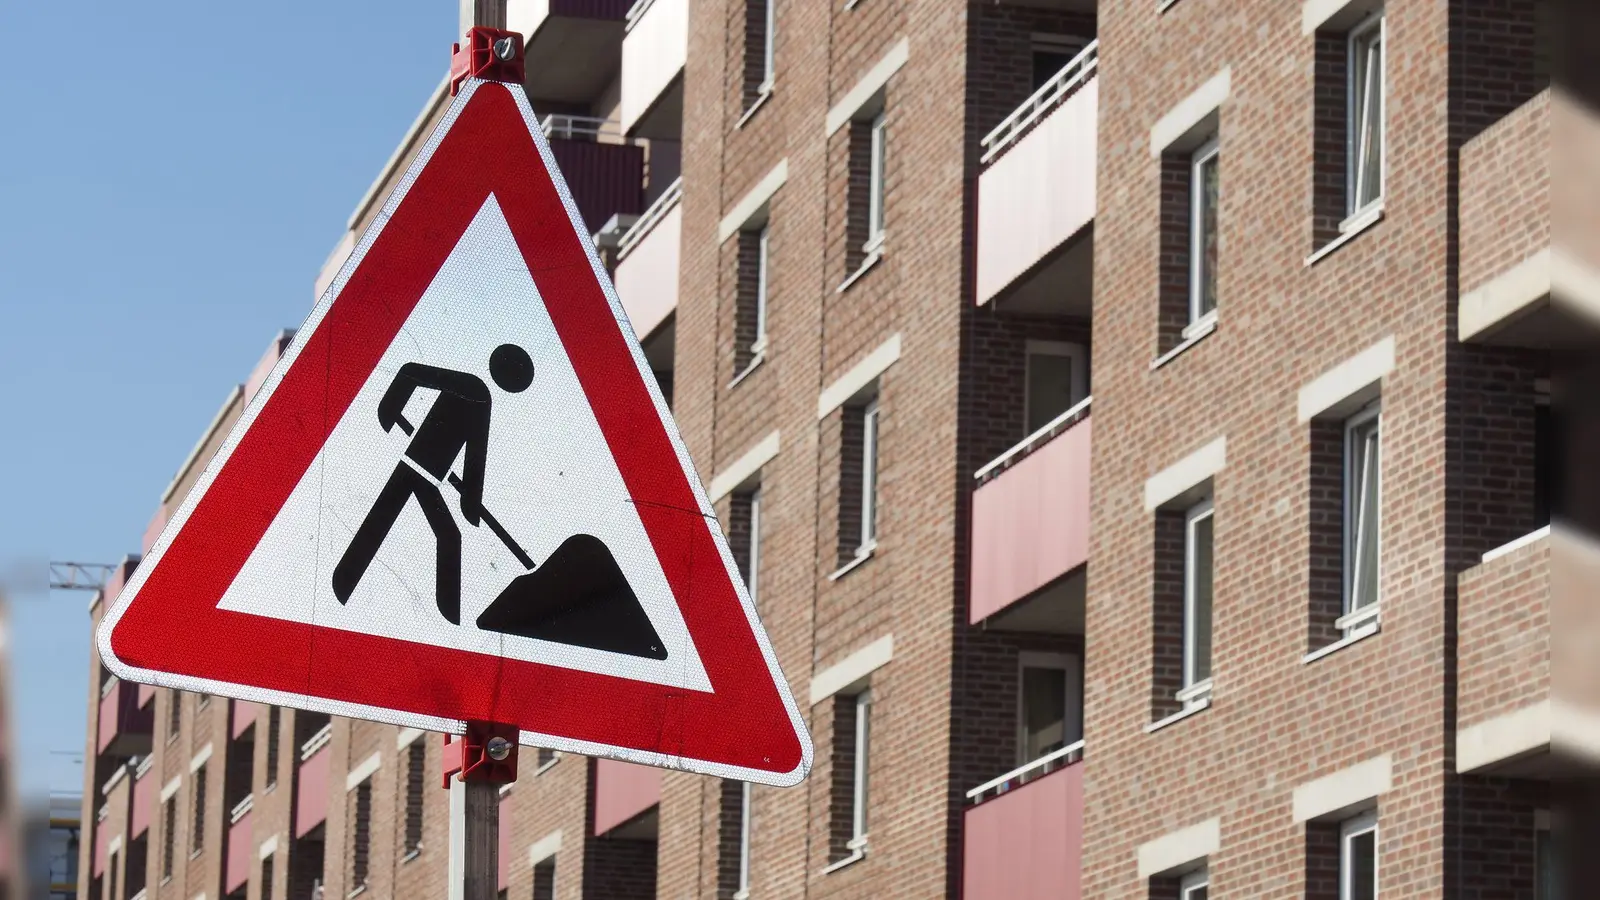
x: 754, y: 363
x: 1192, y: 335
x: 358, y: 891
x: 1195, y: 693
x: 862, y: 555
x: 545, y: 767
x: 1179, y: 716
x: 410, y: 855
x: 195, y: 854
x: 1349, y: 228
x: 506, y: 788
x: 1355, y: 636
x: 866, y: 264
x: 765, y: 94
x: 742, y: 894
x: 858, y: 852
x: 1164, y: 5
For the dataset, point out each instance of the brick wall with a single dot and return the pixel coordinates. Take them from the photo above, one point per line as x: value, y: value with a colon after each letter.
x: 1504, y: 634
x: 1506, y: 202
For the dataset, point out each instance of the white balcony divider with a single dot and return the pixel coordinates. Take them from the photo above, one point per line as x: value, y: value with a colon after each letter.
x: 316, y: 741
x: 1033, y: 771
x: 650, y: 218
x: 1034, y: 441
x: 1046, y: 98
x: 242, y: 809
x: 145, y: 763
x: 654, y: 50
x: 109, y: 685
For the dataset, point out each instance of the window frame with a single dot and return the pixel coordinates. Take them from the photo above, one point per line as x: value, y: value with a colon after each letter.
x: 1356, y: 41
x: 758, y: 344
x: 870, y: 419
x: 860, y: 782
x: 769, y: 56
x: 1204, y: 510
x: 878, y: 176
x: 752, y: 578
x: 1078, y: 353
x: 1208, y: 152
x: 1358, y: 620
x: 1071, y: 666
x: 1193, y: 882
x: 1349, y: 829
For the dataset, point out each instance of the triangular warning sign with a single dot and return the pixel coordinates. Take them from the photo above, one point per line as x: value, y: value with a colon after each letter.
x: 461, y: 497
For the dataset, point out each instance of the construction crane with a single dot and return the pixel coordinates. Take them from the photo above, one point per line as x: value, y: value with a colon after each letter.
x: 78, y: 576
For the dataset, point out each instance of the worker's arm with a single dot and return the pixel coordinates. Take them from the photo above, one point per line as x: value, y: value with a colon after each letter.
x: 391, y: 409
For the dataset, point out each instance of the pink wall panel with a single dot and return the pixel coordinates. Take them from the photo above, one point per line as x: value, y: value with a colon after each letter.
x: 241, y: 852
x: 1038, y: 193
x: 647, y: 278
x: 144, y: 802
x: 244, y: 715
x: 1026, y: 844
x: 1030, y: 525
x: 311, y: 793
x: 147, y: 692
x: 622, y: 791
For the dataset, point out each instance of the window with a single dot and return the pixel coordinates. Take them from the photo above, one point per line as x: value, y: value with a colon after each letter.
x: 544, y: 880
x: 202, y: 701
x: 1197, y: 582
x: 863, y: 735
x: 416, y: 783
x: 266, y: 878
x: 111, y: 873
x: 869, y: 479
x: 1051, y: 53
x: 1547, y: 866
x: 1057, y: 380
x: 876, y: 189
x: 274, y: 727
x: 197, y: 833
x: 1194, y: 886
x: 544, y: 759
x: 760, y: 342
x: 360, y: 841
x: 752, y: 575
x: 759, y: 37
x: 1549, y: 473
x: 1358, y: 858
x: 1049, y: 709
x: 1203, y: 196
x: 174, y: 714
x: 169, y: 834
x: 1361, y: 521
x: 1365, y: 103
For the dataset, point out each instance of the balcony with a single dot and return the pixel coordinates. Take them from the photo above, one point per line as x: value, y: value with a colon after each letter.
x: 1504, y: 715
x: 123, y: 726
x: 1022, y: 837
x: 1036, y: 195
x: 646, y: 276
x: 243, y: 715
x: 573, y: 46
x: 623, y: 794
x: 653, y: 53
x: 1030, y: 527
x: 604, y: 171
x: 311, y: 783
x: 241, y: 846
x: 144, y: 798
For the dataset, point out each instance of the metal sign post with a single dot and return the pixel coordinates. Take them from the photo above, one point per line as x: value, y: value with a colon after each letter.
x: 475, y: 766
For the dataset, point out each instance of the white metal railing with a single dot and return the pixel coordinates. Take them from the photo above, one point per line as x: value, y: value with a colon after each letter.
x: 658, y: 210
x: 1021, y: 775
x: 1034, y: 441
x: 635, y: 13
x: 562, y: 125
x: 316, y: 742
x: 109, y: 685
x: 241, y: 809
x: 139, y: 896
x: 1051, y: 93
x: 101, y: 813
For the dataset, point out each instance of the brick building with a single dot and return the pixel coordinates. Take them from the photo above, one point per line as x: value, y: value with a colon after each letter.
x: 1308, y: 255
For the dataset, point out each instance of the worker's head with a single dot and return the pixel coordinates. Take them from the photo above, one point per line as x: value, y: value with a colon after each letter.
x: 511, y: 368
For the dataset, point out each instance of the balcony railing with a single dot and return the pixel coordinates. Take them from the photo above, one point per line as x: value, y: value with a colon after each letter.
x: 637, y: 11
x: 561, y: 125
x: 242, y: 808
x: 1034, y: 441
x: 1021, y: 775
x: 316, y: 742
x: 1047, y: 97
x: 658, y: 210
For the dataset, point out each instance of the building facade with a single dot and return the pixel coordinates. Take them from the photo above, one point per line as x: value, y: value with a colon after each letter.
x: 1284, y: 628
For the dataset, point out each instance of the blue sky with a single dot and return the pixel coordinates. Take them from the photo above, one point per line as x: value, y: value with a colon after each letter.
x: 170, y: 182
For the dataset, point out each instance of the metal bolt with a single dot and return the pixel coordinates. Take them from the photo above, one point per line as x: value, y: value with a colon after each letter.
x: 499, y: 748
x: 505, y: 49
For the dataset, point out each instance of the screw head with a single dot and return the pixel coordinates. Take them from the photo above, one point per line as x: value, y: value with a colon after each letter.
x: 498, y: 748
x: 505, y: 49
